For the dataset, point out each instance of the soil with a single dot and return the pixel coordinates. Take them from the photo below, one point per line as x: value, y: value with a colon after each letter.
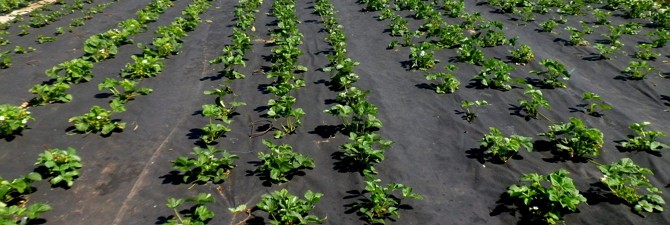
x: 127, y: 177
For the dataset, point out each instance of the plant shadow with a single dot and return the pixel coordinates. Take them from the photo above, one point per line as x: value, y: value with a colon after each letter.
x: 264, y: 176
x: 173, y: 178
x: 327, y: 131
x: 344, y: 164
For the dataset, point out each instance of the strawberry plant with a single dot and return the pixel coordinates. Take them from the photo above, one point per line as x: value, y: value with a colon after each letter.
x: 41, y: 39
x: 97, y: 120
x: 453, y: 8
x: 50, y: 93
x: 345, y: 75
x: 359, y: 117
x: 595, y: 104
x: 163, y: 47
x: 548, y: 25
x: 645, y: 52
x: 503, y: 148
x: 13, y: 200
x: 522, y: 55
x: 5, y: 60
x: 494, y: 74
x: 637, y: 70
x: 74, y: 71
x: 448, y: 82
x: 466, y: 105
x: 662, y: 36
x: 98, y: 48
x: 287, y: 209
x: 398, y: 26
x: 283, y: 108
x: 646, y: 139
x: 492, y: 37
x: 607, y: 50
x: 213, y: 131
x: 381, y: 203
x: 536, y: 100
x: 421, y: 56
x: 123, y: 90
x: 209, y: 164
x: 625, y: 179
x: 230, y: 57
x: 576, y: 36
x: 364, y: 150
x: 546, y: 198
x: 132, y: 26
x: 172, y: 31
x: 198, y: 214
x: 63, y: 165
x: 601, y: 16
x: 469, y: 53
x: 142, y: 67
x: 575, y: 138
x: 13, y: 119
x: 282, y: 162
x: 555, y: 71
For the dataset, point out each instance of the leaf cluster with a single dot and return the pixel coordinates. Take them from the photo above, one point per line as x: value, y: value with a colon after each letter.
x: 448, y: 83
x: 626, y: 180
x: 503, y: 148
x: 546, y: 198
x: 210, y: 164
x: 380, y: 203
x: 63, y: 165
x: 575, y: 138
x: 287, y: 209
x: 198, y: 214
x: 645, y: 139
x: 97, y: 120
x: 13, y: 119
x: 281, y: 163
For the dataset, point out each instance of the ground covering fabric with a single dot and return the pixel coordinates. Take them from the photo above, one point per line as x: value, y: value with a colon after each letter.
x: 126, y: 178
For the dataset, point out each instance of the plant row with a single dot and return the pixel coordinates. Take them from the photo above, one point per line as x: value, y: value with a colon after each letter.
x: 365, y: 147
x: 62, y: 166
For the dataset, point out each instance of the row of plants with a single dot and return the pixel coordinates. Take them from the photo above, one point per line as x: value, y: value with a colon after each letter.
x: 98, y: 47
x: 60, y: 166
x: 10, y: 5
x: 284, y: 69
x: 365, y: 148
x: 215, y: 165
x: 146, y: 65
x: 38, y: 20
x: 76, y: 22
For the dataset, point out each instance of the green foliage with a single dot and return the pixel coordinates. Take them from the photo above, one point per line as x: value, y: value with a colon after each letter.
x: 453, y: 8
x: 97, y: 120
x: 50, y: 93
x: 213, y: 131
x: 381, y: 204
x: 63, y: 165
x: 398, y: 26
x: 142, y: 67
x: 548, y: 25
x: 99, y: 48
x: 494, y: 74
x: 282, y: 162
x: 13, y: 119
x: 522, y: 55
x: 283, y: 108
x: 540, y: 202
x: 645, y: 139
x: 466, y: 105
x: 209, y: 164
x: 645, y: 52
x: 73, y: 72
x: 123, y: 90
x: 364, y: 150
x: 607, y: 50
x: 421, y: 56
x: 575, y: 138
x: 5, y: 60
x: 595, y: 104
x: 447, y: 81
x: 625, y: 179
x: 198, y: 214
x: 504, y: 148
x: 555, y: 71
x: 230, y: 57
x: 287, y: 209
x: 601, y: 16
x: 576, y: 36
x: 470, y: 54
x: 13, y: 205
x: 536, y: 100
x: 345, y: 75
x: 359, y: 116
x: 662, y: 36
x: 637, y: 70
